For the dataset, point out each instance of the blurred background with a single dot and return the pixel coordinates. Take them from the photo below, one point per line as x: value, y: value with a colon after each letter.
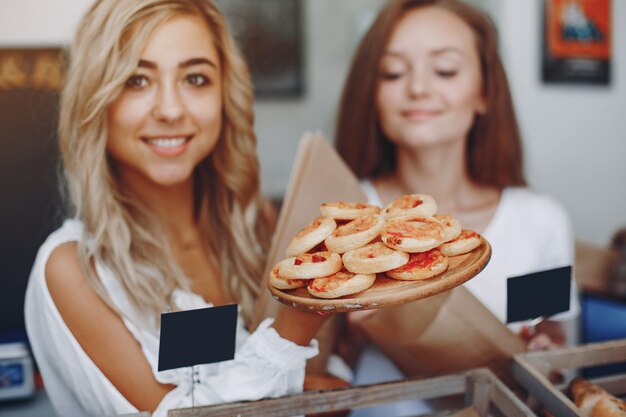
x: 574, y: 133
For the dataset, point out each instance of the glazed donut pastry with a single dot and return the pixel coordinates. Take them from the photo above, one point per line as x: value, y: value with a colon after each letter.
x: 594, y: 401
x: 451, y: 227
x: 609, y: 406
x: 347, y: 211
x: 586, y: 395
x: 339, y: 284
x: 311, y: 236
x: 309, y: 265
x: 466, y: 242
x: 355, y: 234
x: 423, y: 265
x: 412, y: 233
x: 373, y: 258
x: 411, y: 205
x: 284, y: 284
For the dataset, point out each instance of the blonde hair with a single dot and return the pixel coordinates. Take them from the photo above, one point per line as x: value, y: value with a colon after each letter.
x: 120, y: 232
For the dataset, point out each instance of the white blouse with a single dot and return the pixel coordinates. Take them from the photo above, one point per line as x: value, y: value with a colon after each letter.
x: 529, y: 232
x: 265, y: 365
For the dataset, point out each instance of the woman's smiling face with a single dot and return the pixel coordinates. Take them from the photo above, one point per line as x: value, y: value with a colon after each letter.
x: 430, y: 83
x: 168, y: 117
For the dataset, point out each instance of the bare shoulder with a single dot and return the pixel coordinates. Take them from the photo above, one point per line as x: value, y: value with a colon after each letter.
x: 68, y: 286
x: 100, y: 331
x: 77, y: 302
x: 63, y: 272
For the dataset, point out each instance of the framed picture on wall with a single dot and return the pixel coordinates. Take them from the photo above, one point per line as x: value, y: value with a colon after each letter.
x: 577, y: 41
x: 269, y: 34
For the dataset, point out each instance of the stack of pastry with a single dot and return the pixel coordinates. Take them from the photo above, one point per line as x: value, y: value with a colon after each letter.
x: 341, y: 252
x: 594, y: 401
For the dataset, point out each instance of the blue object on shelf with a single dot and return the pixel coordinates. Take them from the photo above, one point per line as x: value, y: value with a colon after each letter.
x: 16, y: 372
x: 603, y: 319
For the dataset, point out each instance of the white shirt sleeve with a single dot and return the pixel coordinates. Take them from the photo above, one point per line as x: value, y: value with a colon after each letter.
x: 265, y: 366
x: 558, y: 249
x: 530, y: 232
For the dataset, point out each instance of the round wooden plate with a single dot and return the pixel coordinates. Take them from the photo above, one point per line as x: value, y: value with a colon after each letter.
x: 388, y: 292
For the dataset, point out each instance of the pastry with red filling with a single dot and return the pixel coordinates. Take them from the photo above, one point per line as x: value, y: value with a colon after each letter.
x: 339, y: 284
x: 423, y: 265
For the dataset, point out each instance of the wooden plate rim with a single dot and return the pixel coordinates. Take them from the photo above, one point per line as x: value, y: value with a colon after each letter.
x: 408, y: 291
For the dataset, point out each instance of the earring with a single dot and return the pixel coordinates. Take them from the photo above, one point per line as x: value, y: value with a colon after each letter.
x: 482, y: 110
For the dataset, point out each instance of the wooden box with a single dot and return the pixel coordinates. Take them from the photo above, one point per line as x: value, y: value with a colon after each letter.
x: 485, y: 395
x: 530, y: 369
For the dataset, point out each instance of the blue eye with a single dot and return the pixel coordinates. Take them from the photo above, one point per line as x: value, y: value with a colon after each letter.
x: 136, y: 81
x: 197, y: 79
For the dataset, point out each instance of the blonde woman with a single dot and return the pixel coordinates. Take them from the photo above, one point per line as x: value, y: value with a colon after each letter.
x: 161, y: 171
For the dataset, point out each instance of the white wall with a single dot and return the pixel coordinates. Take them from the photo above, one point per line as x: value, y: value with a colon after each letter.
x: 573, y: 135
x: 332, y: 29
x: 39, y: 22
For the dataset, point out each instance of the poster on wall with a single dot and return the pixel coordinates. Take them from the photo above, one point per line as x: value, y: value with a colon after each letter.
x: 577, y: 41
x: 269, y: 34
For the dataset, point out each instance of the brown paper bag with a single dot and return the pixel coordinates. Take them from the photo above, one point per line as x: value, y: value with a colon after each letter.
x: 448, y: 333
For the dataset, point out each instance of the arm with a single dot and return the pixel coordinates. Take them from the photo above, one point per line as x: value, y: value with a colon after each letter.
x: 300, y: 327
x: 554, y: 329
x: 557, y: 250
x: 293, y: 324
x: 547, y: 335
x: 265, y: 365
x: 297, y: 325
x: 100, y: 332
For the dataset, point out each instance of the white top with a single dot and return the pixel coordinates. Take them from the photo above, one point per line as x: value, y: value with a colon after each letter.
x: 529, y: 232
x: 265, y: 365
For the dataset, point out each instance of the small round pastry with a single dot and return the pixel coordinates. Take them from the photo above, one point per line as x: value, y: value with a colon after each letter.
x: 451, y: 227
x: 412, y: 233
x: 339, y: 284
x: 423, y: 265
x: 347, y: 211
x: 467, y: 241
x: 311, y: 236
x: 277, y: 281
x: 309, y: 265
x: 586, y: 395
x: 355, y: 234
x: 411, y: 205
x: 373, y: 258
x: 609, y: 406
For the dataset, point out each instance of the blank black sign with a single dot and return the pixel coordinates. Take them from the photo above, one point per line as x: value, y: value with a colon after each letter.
x: 538, y: 294
x: 195, y: 337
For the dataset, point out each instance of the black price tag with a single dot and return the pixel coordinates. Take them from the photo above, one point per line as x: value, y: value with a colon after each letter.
x: 543, y: 293
x: 195, y: 337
